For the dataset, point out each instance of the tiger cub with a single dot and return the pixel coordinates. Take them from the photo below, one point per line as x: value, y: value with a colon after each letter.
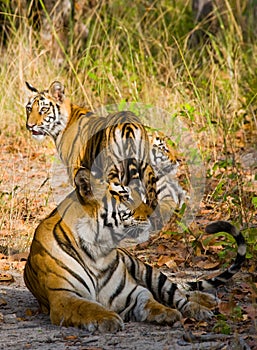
x: 78, y: 276
x: 165, y: 160
x: 114, y: 149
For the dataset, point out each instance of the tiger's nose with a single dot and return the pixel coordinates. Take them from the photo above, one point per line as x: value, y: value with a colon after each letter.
x: 30, y: 126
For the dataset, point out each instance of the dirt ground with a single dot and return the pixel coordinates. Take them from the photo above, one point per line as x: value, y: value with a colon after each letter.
x: 22, y: 326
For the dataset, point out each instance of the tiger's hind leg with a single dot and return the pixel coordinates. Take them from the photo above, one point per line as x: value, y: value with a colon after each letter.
x: 197, y: 305
x: 144, y: 308
x: 69, y: 310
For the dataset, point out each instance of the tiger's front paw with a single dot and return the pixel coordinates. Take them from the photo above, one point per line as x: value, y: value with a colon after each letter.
x: 87, y: 315
x: 106, y: 322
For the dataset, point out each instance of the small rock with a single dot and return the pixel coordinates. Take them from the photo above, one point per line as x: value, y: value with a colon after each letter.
x: 10, y: 318
x: 3, y: 302
x: 249, y: 158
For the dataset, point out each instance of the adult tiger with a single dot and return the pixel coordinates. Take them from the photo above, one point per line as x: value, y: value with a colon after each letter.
x: 114, y: 149
x: 78, y: 276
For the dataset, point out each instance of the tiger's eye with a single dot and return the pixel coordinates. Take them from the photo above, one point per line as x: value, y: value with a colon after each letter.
x: 44, y: 109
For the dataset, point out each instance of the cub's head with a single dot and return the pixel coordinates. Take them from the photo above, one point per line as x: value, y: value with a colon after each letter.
x: 47, y: 111
x: 163, y: 153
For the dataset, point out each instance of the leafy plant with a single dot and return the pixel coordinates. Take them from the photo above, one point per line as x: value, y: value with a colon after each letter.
x: 221, y: 326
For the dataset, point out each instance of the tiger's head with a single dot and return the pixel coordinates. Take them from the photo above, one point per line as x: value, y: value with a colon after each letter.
x: 47, y: 111
x: 119, y: 219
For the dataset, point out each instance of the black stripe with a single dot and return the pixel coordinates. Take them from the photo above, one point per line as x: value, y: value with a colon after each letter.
x: 132, y: 267
x: 85, y: 250
x: 127, y: 316
x: 148, y: 276
x: 65, y: 243
x: 88, y: 114
x: 53, y: 213
x: 66, y: 290
x: 113, y: 136
x: 171, y: 293
x: 109, y: 270
x: 119, y: 288
x: 129, y: 130
x: 114, y: 214
x: 180, y: 307
x: 29, y: 276
x: 223, y: 226
x: 161, y: 281
x: 65, y: 211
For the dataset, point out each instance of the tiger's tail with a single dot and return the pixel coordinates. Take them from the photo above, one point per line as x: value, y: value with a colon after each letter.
x: 222, y: 278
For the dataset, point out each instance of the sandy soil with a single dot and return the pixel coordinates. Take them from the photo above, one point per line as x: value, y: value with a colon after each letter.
x: 22, y: 326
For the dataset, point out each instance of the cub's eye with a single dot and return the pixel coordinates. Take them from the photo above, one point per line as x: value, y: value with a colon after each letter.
x: 28, y: 109
x: 44, y: 109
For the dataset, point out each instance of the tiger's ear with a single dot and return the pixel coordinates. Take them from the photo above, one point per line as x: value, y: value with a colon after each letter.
x: 57, y: 91
x: 30, y: 87
x: 82, y: 183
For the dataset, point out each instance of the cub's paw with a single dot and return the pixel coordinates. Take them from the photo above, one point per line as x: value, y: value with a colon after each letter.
x: 158, y: 313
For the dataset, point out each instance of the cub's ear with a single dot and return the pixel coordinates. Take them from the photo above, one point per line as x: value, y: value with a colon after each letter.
x: 30, y: 87
x: 57, y: 91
